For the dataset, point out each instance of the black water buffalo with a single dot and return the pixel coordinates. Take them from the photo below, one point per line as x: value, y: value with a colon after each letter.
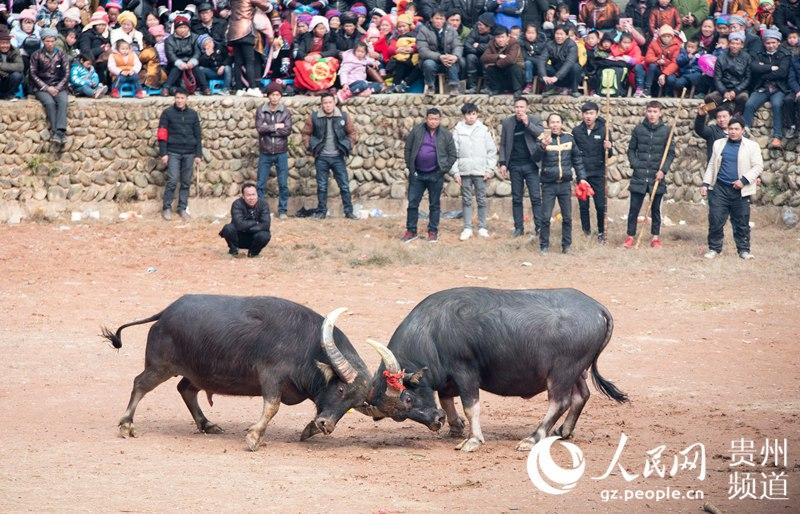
x: 511, y: 343
x: 250, y: 346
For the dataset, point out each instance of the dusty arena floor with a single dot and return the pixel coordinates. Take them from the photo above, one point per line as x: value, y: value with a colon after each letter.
x: 707, y: 351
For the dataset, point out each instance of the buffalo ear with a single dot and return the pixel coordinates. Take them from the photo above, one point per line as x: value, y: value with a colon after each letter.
x: 413, y: 379
x: 326, y: 370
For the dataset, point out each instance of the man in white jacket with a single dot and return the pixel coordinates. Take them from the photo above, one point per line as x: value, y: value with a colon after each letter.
x: 730, y: 178
x: 477, y: 159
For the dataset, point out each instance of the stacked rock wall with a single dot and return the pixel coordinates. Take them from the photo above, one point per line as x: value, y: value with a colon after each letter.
x: 112, y: 152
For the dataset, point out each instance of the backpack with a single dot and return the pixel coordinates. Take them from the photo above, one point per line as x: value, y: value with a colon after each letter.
x: 611, y: 79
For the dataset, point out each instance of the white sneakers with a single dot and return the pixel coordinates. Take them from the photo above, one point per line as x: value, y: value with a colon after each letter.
x: 467, y: 233
x: 254, y: 92
x: 711, y: 254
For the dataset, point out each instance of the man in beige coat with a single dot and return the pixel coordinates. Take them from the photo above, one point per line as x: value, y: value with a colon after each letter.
x: 729, y: 180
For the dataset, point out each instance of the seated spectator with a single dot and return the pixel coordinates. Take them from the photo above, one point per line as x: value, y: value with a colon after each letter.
x: 792, y: 43
x: 770, y: 73
x: 151, y: 20
x: 639, y: 13
x: 113, y: 10
x: 454, y: 20
x: 469, y: 10
x: 765, y: 15
x: 48, y: 78
x: 84, y: 80
x: 353, y: 74
x: 508, y: 13
x: 722, y: 45
x: 124, y: 67
x: 664, y: 13
x: 207, y: 23
x: 439, y: 49
x: 334, y: 20
x: 250, y: 223
x: 11, y: 66
x: 721, y: 26
x: 71, y: 21
x: 532, y: 45
x: 214, y: 62
x: 558, y: 64
x: 689, y: 74
x: 316, y: 58
x: 49, y: 14
x: 693, y: 13
x: 152, y: 74
x: 732, y: 74
x: 95, y: 43
x: 502, y: 62
x: 599, y: 14
x: 752, y: 43
x: 515, y: 33
x: 404, y: 64
x: 609, y: 72
x: 707, y: 36
x: 25, y: 33
x: 661, y: 60
x: 183, y: 56
x: 384, y: 44
x: 347, y: 37
x: 629, y: 53
x: 68, y: 43
x: 787, y: 16
x: 127, y: 32
x: 549, y: 23
x: 474, y: 46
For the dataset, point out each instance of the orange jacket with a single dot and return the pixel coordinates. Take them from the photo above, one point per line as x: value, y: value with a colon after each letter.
x: 656, y: 50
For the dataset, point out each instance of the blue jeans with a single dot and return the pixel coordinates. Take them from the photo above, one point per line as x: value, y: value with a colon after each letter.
x: 418, y: 183
x: 211, y: 74
x: 86, y: 90
x: 759, y: 98
x: 430, y: 68
x: 530, y: 71
x: 281, y: 162
x: 122, y: 80
x: 322, y: 165
x: 640, y: 74
x: 675, y: 83
x: 653, y: 71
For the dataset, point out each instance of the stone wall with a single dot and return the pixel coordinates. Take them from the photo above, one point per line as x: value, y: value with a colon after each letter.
x: 112, y: 152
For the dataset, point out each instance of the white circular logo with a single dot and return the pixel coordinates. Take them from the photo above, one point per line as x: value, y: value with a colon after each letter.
x: 548, y: 476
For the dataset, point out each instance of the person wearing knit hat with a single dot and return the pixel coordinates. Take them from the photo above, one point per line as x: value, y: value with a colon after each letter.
x: 770, y: 69
x: 660, y: 61
x: 48, y: 78
x: 408, y: 20
x: 333, y: 13
x: 113, y: 9
x: 474, y: 46
x: 25, y: 33
x: 274, y: 126
x: 334, y: 19
x: 183, y: 56
x: 732, y: 75
x: 348, y: 35
x: 12, y: 66
x: 127, y: 32
x: 206, y: 23
x: 94, y: 41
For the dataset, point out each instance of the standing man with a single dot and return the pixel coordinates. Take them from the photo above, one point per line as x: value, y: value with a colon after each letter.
x: 729, y: 180
x: 329, y: 135
x: 560, y: 156
x: 590, y: 137
x: 249, y: 226
x: 274, y: 124
x: 49, y: 75
x: 645, y: 150
x: 518, y: 142
x: 712, y: 132
x: 430, y: 152
x: 180, y: 146
x: 440, y: 50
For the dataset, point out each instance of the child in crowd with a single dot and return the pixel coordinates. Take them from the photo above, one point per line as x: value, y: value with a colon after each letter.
x: 353, y: 73
x: 152, y: 75
x: 690, y: 74
x: 124, y: 67
x: 49, y: 14
x: 70, y: 21
x: 83, y: 79
x: 532, y: 44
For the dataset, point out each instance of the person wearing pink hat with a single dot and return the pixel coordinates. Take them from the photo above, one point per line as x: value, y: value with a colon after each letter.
x: 113, y: 9
x: 95, y: 43
x: 25, y: 33
x: 70, y: 21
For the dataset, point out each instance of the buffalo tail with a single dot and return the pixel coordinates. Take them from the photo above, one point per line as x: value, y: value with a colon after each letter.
x: 116, y: 338
x: 606, y: 386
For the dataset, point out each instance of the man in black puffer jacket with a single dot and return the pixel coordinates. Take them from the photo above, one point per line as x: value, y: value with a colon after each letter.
x: 732, y: 75
x: 770, y: 83
x: 559, y: 155
x: 563, y: 68
x: 590, y: 136
x: 645, y: 151
x: 249, y: 226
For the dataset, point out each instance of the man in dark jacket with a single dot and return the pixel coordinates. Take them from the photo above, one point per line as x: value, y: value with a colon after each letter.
x: 207, y: 23
x: 329, y: 135
x: 595, y: 144
x: 180, y: 146
x: 770, y: 73
x: 502, y: 62
x: 559, y: 156
x: 429, y: 153
x: 563, y: 68
x: 11, y: 66
x: 183, y: 55
x: 645, y: 151
x: 470, y: 10
x: 787, y: 16
x: 440, y: 49
x: 49, y: 74
x: 710, y: 132
x: 518, y: 142
x: 474, y: 46
x: 347, y: 36
x: 249, y: 226
x: 274, y: 124
x: 732, y: 75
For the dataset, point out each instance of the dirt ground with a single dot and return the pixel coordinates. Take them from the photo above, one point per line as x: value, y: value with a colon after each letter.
x: 707, y: 352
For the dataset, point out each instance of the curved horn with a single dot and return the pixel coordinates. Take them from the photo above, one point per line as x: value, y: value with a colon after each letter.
x: 389, y: 360
x: 343, y: 368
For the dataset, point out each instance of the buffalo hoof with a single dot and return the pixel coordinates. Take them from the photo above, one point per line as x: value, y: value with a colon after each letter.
x: 126, y: 429
x: 211, y: 428
x: 310, y: 430
x: 253, y: 440
x: 526, y: 444
x: 563, y: 434
x: 469, y: 445
x: 457, y: 429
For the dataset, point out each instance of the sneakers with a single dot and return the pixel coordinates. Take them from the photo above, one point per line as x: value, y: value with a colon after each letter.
x: 115, y: 93
x: 343, y: 94
x: 141, y: 94
x: 453, y: 89
x: 282, y: 216
x: 527, y: 89
x: 746, y: 256
x: 184, y: 215
x: 482, y: 232
x: 655, y: 242
x: 466, y: 234
x: 100, y: 91
x: 629, y: 242
x: 601, y: 238
x: 408, y: 236
x: 566, y: 250
x: 433, y: 237
x: 711, y: 254
x: 791, y: 132
x: 518, y: 232
x: 544, y: 250
x: 639, y: 93
x: 166, y: 214
x: 254, y: 92
x: 319, y: 215
x: 429, y: 90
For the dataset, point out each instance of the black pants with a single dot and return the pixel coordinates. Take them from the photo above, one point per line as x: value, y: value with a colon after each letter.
x: 324, y: 164
x: 244, y: 59
x: 252, y: 241
x: 175, y: 78
x: 520, y: 177
x: 637, y: 199
x: 724, y: 201
x: 418, y: 183
x: 738, y: 102
x: 405, y: 71
x: 501, y: 80
x: 598, y: 184
x: 550, y: 193
x: 9, y: 85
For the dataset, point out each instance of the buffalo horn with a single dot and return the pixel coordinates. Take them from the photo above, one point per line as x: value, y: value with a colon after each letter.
x: 389, y: 360
x: 343, y: 368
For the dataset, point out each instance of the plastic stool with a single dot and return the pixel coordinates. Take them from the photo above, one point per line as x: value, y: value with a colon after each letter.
x: 127, y: 91
x: 153, y: 91
x: 215, y: 86
x: 20, y: 92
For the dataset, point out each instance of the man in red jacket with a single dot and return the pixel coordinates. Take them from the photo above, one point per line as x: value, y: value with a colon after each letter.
x: 661, y: 60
